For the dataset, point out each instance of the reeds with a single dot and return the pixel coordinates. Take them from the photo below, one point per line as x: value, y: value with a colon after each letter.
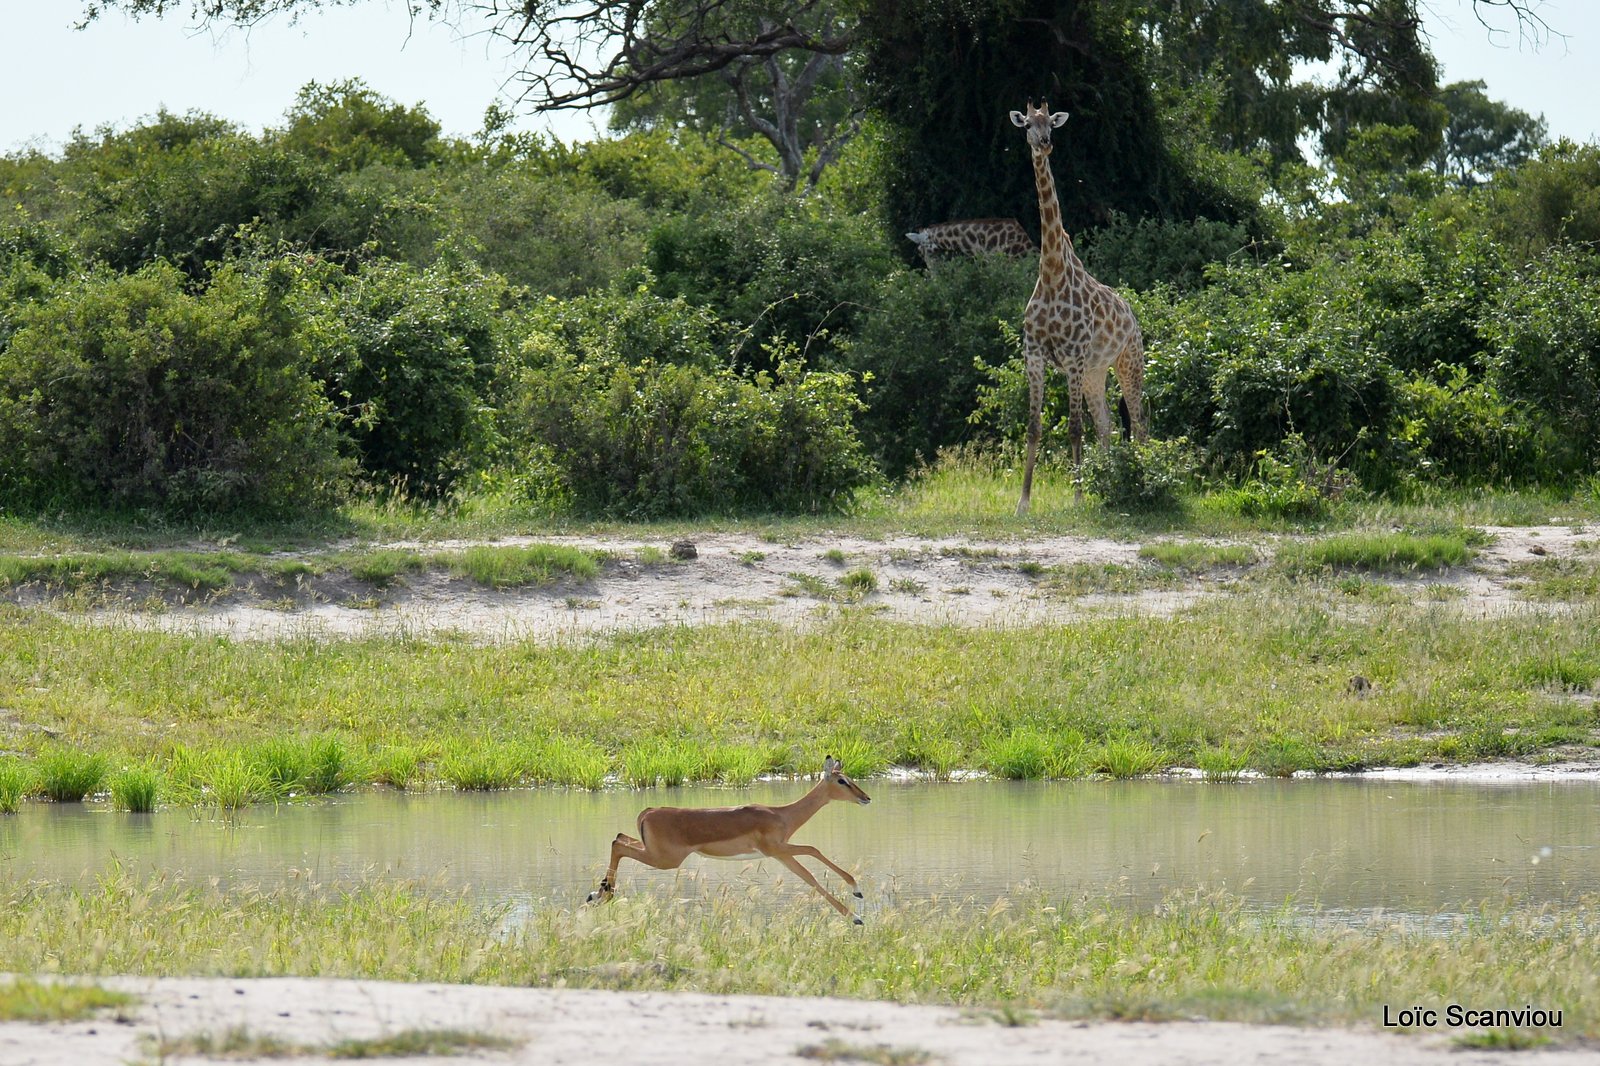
x: 1198, y: 953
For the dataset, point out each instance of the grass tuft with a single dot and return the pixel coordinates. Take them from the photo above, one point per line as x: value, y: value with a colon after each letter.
x: 1124, y: 757
x: 1384, y: 553
x: 16, y: 781
x: 67, y: 775
x: 136, y: 789
x: 23, y: 999
x: 536, y: 564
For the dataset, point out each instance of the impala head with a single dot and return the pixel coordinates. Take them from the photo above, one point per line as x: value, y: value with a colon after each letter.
x: 1038, y: 121
x: 838, y: 786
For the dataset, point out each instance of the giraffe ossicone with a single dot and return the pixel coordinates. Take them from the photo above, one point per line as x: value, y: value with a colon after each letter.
x: 1073, y: 322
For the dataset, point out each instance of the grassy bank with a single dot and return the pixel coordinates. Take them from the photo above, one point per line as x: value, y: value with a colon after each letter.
x: 1197, y: 955
x: 958, y: 496
x: 1261, y: 682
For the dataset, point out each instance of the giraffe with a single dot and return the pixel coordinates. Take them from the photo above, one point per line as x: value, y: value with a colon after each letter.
x: 1074, y: 322
x: 973, y: 236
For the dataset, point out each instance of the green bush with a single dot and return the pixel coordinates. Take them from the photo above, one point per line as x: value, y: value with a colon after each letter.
x: 1262, y: 354
x: 182, y: 189
x: 418, y: 353
x: 921, y: 347
x: 1545, y: 355
x: 774, y: 270
x: 1129, y: 476
x: 127, y: 391
x: 626, y: 413
x: 1463, y: 430
x: 1152, y: 251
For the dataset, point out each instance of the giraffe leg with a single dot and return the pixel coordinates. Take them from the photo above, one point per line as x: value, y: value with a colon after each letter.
x: 1075, y: 433
x: 1094, y: 396
x: 1034, y: 359
x: 1129, y: 367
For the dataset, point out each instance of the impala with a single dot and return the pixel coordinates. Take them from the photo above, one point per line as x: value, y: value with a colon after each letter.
x: 668, y: 835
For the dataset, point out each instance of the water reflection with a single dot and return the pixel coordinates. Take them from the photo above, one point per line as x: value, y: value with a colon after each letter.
x: 1342, y: 847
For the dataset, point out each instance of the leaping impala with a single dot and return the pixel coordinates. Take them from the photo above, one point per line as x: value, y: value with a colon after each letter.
x: 668, y: 835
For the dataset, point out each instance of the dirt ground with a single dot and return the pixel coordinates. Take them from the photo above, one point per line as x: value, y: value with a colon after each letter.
x: 732, y: 577
x: 554, y: 1026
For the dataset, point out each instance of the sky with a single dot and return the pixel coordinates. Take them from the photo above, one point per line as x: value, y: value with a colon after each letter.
x: 55, y: 78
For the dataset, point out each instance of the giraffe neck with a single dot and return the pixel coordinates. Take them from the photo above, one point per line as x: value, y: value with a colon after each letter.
x: 1056, y: 259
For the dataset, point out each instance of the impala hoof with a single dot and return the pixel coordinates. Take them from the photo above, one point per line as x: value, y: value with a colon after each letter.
x: 858, y: 895
x: 858, y: 921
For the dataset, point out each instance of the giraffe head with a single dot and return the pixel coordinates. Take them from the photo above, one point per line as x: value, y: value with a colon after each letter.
x: 1038, y: 121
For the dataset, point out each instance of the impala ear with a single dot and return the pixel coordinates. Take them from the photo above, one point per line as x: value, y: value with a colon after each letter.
x: 1058, y: 119
x: 830, y: 765
x: 1018, y: 118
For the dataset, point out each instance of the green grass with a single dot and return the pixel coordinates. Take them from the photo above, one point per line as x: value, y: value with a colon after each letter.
x: 1558, y: 580
x: 384, y: 566
x: 835, y: 1050
x: 1385, y: 553
x: 1197, y: 954
x: 537, y: 564
x: 483, y: 766
x: 1196, y: 556
x: 1224, y: 763
x: 658, y: 761
x: 1124, y: 757
x: 859, y: 582
x: 1265, y: 671
x: 67, y: 775
x: 239, y: 1042
x: 16, y: 781
x: 136, y: 789
x: 23, y: 999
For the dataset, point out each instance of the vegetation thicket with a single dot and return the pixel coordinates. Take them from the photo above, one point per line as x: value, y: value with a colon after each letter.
x: 198, y: 320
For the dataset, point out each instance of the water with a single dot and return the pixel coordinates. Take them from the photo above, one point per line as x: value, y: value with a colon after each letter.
x: 1343, y: 848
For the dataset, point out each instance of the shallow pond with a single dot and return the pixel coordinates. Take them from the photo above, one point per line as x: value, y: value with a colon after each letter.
x: 1345, y: 848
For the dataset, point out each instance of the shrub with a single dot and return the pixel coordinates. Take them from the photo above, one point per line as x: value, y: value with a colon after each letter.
x: 129, y: 392
x: 1263, y: 354
x: 1153, y: 251
x: 1129, y: 476
x: 1545, y: 354
x: 922, y: 348
x: 776, y: 269
x: 649, y: 439
x: 419, y: 352
x: 1464, y: 430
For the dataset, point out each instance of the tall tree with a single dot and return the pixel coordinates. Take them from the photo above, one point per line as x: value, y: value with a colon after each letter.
x: 1484, y: 135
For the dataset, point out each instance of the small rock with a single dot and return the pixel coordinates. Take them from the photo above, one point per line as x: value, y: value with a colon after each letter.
x: 1538, y: 549
x: 683, y: 549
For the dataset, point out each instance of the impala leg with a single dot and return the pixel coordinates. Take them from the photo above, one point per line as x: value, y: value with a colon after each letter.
x: 807, y: 849
x: 805, y: 875
x: 627, y: 847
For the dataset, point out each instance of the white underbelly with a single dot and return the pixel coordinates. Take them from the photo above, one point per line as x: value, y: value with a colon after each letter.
x: 731, y: 858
